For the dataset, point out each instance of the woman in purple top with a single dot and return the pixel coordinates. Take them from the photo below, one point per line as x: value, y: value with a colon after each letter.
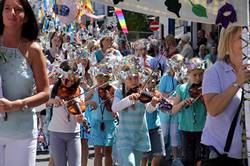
x: 222, y: 92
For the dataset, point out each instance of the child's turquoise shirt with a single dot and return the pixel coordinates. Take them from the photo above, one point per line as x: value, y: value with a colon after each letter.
x: 100, y: 113
x: 99, y: 55
x: 167, y: 84
x: 153, y: 119
x: 193, y: 117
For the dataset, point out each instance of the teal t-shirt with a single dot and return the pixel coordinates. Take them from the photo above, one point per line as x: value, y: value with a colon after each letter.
x: 192, y: 118
x: 153, y: 119
x: 168, y: 84
x: 99, y: 55
x: 100, y: 113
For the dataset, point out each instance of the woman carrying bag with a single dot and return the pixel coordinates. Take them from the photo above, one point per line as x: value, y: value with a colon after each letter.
x: 222, y: 92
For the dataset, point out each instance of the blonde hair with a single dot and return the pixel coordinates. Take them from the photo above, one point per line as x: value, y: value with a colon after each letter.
x: 91, y: 44
x: 226, y: 37
x: 170, y: 40
x: 178, y: 58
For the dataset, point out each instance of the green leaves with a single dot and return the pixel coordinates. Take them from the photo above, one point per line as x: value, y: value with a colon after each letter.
x: 198, y: 10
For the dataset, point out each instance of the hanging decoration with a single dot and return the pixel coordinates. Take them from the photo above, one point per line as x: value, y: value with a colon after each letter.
x: 99, y: 17
x: 121, y: 19
x: 198, y: 9
x: 173, y: 6
x: 66, y: 10
x: 117, y: 1
x: 203, y: 11
x: 88, y: 6
x: 226, y: 14
x: 61, y: 10
x: 45, y: 6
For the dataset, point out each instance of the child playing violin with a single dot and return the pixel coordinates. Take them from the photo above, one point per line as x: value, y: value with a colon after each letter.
x: 154, y: 127
x: 64, y: 127
x: 169, y: 121
x: 132, y: 137
x: 103, y: 119
x: 191, y: 113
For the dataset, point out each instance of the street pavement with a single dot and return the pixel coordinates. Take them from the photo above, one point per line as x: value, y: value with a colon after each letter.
x: 42, y: 158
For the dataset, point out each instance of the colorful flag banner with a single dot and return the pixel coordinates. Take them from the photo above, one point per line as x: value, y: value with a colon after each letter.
x: 88, y: 6
x: 121, y: 19
x: 192, y: 10
x: 97, y: 17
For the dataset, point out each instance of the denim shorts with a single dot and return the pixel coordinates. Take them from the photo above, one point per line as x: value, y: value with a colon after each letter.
x: 157, y: 143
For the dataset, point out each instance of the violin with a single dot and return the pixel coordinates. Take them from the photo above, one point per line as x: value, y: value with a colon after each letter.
x: 146, y: 97
x: 107, y: 95
x: 195, y: 91
x: 68, y: 94
x: 164, y: 105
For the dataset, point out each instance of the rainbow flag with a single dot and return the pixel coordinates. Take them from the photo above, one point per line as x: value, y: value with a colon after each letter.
x: 121, y: 19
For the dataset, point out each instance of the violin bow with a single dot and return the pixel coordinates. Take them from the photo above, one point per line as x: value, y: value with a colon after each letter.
x: 148, y: 79
x: 91, y: 89
x: 151, y: 74
x: 195, y: 99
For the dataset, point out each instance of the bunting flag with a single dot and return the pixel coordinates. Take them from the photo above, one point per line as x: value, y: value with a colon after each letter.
x: 88, y: 6
x: 45, y: 7
x: 97, y: 17
x: 121, y: 19
x: 86, y: 9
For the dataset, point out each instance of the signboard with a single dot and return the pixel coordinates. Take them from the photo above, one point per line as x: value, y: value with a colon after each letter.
x: 154, y: 26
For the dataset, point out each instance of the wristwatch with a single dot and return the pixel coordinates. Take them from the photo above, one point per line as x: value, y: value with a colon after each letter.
x: 236, y: 85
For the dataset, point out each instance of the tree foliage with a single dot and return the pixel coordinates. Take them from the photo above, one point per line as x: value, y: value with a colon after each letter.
x: 138, y: 24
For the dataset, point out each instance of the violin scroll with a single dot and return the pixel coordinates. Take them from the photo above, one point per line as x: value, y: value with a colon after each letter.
x: 107, y: 95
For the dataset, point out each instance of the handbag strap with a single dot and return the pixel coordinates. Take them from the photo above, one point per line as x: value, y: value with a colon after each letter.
x: 233, y: 126
x: 52, y: 96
